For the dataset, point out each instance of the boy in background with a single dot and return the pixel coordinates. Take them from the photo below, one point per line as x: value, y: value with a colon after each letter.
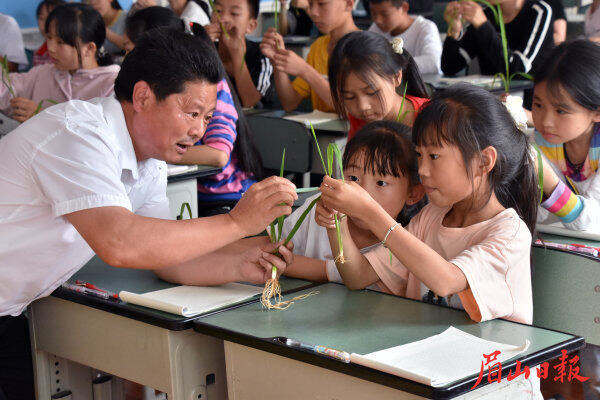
x: 420, y: 35
x: 333, y: 18
x: 249, y: 70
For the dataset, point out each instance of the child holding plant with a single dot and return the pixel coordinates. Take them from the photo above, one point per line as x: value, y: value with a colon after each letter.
x: 248, y: 69
x: 470, y: 246
x: 44, y: 9
x: 333, y: 18
x: 381, y: 159
x: 421, y: 37
x: 366, y: 73
x: 79, y: 70
x: 528, y: 35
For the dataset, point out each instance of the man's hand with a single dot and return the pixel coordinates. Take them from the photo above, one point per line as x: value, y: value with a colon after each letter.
x: 23, y: 108
x: 256, y: 263
x: 263, y: 203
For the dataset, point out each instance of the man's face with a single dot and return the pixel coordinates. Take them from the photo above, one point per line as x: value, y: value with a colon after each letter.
x: 166, y: 129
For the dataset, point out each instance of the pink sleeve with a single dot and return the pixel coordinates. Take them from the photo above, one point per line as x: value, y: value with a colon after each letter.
x: 499, y: 275
x: 22, y: 84
x: 221, y: 131
x: 391, y: 272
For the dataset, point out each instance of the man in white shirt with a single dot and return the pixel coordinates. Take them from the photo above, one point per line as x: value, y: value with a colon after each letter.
x: 11, y: 43
x: 420, y: 35
x: 85, y: 177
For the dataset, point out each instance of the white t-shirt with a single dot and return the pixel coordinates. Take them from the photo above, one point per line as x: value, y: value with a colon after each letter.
x: 422, y: 40
x: 493, y: 255
x: 11, y: 40
x: 310, y: 240
x: 73, y: 156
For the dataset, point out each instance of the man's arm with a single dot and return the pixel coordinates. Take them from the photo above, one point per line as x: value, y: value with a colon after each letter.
x: 124, y: 239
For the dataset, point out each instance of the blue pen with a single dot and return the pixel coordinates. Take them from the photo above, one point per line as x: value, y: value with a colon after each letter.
x: 333, y: 353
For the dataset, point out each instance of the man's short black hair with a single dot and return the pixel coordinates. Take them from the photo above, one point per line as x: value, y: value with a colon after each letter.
x: 167, y: 59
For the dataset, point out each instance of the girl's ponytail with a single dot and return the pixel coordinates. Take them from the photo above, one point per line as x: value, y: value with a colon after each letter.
x: 412, y: 78
x: 520, y: 191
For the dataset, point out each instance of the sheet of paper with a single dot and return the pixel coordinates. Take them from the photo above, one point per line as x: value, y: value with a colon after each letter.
x: 553, y: 226
x: 173, y: 169
x: 193, y: 300
x: 439, y: 359
x: 315, y: 117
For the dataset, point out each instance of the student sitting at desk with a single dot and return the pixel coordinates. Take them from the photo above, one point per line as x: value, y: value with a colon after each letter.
x: 529, y: 37
x: 114, y: 19
x: 368, y: 76
x: 333, y: 18
x: 420, y: 35
x: 85, y: 177
x: 79, y: 70
x: 566, y: 116
x: 470, y: 246
x: 44, y: 9
x: 295, y: 21
x: 249, y: 70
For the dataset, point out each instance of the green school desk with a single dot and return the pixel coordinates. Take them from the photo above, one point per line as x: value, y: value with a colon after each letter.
x: 566, y: 289
x: 72, y: 333
x: 259, y: 367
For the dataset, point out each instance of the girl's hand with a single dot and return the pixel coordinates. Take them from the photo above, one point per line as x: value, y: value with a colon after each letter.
x: 347, y: 198
x: 270, y: 43
x: 324, y: 216
x: 289, y: 62
x: 473, y: 13
x: 453, y: 19
x: 23, y: 108
x: 213, y: 30
x: 257, y: 262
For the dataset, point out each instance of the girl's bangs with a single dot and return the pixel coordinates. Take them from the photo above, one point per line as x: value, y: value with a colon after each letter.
x: 437, y: 124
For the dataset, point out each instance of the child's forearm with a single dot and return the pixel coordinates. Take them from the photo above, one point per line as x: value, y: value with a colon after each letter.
x: 317, y: 83
x: 356, y: 271
x: 441, y: 276
x: 290, y: 99
x: 115, y: 39
x: 248, y: 93
x: 307, y: 268
x: 204, y: 155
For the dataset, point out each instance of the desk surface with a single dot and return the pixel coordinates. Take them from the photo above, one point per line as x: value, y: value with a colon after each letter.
x: 140, y: 281
x: 366, y: 321
x: 335, y: 127
x: 516, y: 85
x: 202, y: 171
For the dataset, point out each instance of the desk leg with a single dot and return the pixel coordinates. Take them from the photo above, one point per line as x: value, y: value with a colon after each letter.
x: 183, y: 364
x: 256, y: 375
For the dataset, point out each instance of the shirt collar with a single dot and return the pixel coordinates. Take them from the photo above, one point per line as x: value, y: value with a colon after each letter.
x: 115, y: 118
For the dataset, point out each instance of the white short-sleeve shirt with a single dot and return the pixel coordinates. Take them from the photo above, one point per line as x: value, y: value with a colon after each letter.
x: 73, y: 156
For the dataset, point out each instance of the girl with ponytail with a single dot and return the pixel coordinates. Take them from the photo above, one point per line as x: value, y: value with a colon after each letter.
x: 470, y: 246
x: 368, y: 76
x: 80, y: 68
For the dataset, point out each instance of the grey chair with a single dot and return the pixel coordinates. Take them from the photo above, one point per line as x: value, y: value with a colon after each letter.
x: 7, y: 124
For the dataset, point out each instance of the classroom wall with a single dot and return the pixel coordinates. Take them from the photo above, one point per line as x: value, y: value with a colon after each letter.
x: 24, y: 10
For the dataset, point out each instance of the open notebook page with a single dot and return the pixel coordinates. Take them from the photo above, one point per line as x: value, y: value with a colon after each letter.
x: 315, y: 117
x: 439, y: 359
x: 192, y: 300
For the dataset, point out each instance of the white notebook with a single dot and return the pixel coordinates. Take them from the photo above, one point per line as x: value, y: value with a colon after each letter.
x: 557, y: 228
x: 315, y: 117
x: 188, y: 301
x: 439, y: 359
